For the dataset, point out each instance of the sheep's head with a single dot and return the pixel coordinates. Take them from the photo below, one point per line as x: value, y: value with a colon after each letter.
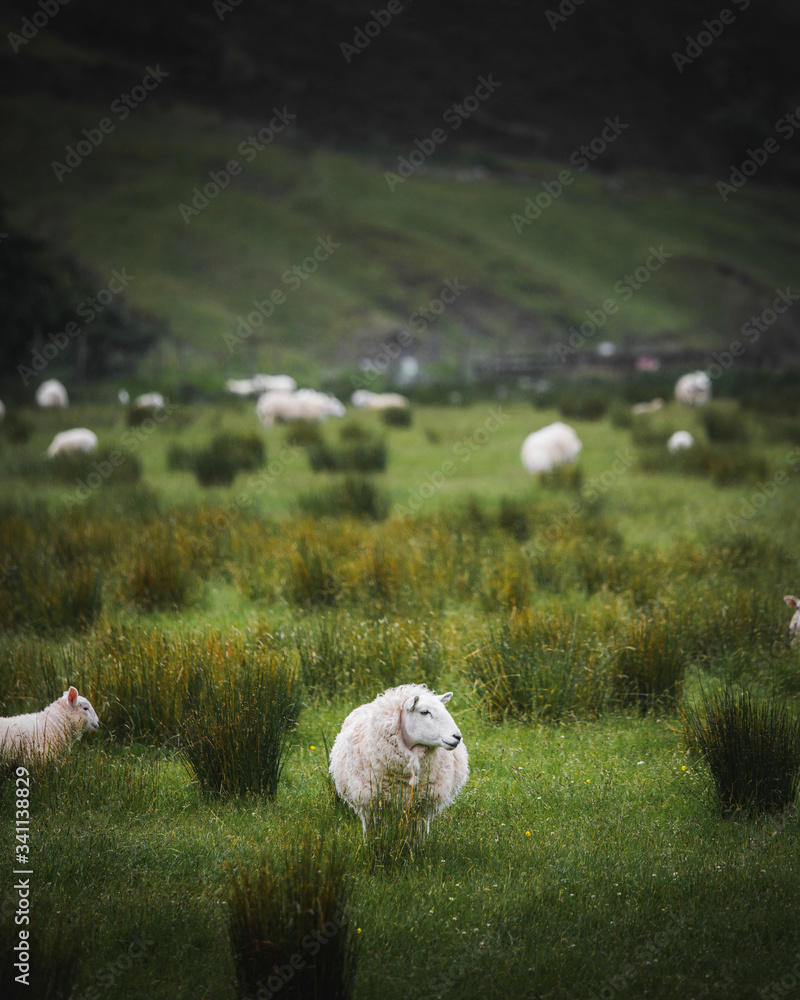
x: 426, y: 722
x: 794, y: 624
x: 82, y: 715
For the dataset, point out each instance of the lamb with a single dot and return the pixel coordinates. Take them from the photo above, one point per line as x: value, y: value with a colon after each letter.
x: 52, y: 394
x: 550, y: 446
x: 366, y: 400
x: 680, y: 441
x: 76, y: 439
x: 50, y: 730
x: 693, y: 389
x: 404, y: 742
x: 794, y: 624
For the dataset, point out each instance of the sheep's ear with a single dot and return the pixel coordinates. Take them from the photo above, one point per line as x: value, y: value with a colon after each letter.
x: 444, y: 698
x: 72, y: 695
x: 411, y: 704
x: 791, y: 601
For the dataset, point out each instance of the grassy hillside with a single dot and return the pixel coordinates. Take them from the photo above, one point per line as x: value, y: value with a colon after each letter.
x: 394, y: 245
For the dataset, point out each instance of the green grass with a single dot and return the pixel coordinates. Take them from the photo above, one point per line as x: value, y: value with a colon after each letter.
x: 573, y: 621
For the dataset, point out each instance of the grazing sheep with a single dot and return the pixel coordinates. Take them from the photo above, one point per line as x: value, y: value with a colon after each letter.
x: 639, y: 408
x: 680, y: 441
x: 241, y: 386
x: 52, y: 393
x: 304, y: 404
x: 274, y: 383
x: 794, y: 624
x: 550, y: 446
x: 366, y: 400
x: 50, y: 730
x: 405, y: 741
x: 149, y: 401
x: 76, y: 439
x: 693, y: 389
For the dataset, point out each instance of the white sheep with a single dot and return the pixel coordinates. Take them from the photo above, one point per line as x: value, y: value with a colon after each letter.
x: 149, y: 401
x: 241, y: 386
x: 794, y: 624
x: 550, y: 446
x: 404, y: 743
x: 679, y: 441
x: 273, y: 383
x: 75, y: 439
x: 363, y: 399
x: 50, y: 730
x: 52, y: 393
x: 303, y: 404
x: 693, y: 389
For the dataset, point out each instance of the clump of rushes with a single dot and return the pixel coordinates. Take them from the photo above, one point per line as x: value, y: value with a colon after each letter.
x: 290, y: 926
x: 354, y: 496
x: 752, y: 750
x: 238, y: 736
x: 649, y: 661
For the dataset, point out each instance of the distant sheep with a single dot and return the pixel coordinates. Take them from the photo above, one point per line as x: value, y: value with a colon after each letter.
x: 76, y: 439
x: 404, y: 743
x: 794, y: 624
x: 52, y: 394
x: 304, y: 404
x: 680, y: 441
x: 363, y: 399
x: 260, y: 383
x: 149, y: 401
x: 655, y: 404
x: 50, y: 730
x: 693, y: 389
x: 550, y: 446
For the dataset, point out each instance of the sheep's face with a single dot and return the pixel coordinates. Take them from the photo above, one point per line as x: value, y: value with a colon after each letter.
x: 794, y: 624
x: 85, y: 715
x: 427, y: 723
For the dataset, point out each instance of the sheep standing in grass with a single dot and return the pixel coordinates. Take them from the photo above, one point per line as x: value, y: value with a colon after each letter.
x: 278, y: 405
x: 680, y: 441
x: 550, y: 446
x: 403, y: 743
x: 52, y: 393
x: 794, y: 624
x: 693, y: 389
x: 363, y: 399
x: 51, y: 730
x: 75, y: 439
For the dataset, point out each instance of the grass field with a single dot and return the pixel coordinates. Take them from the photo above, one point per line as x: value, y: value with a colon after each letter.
x: 575, y: 618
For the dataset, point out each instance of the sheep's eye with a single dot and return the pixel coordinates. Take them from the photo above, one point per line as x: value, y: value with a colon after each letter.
x: 425, y: 711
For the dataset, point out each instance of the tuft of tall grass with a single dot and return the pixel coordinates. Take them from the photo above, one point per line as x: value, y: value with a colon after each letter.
x: 724, y: 425
x: 752, y: 750
x: 396, y: 831
x: 311, y: 579
x: 541, y: 667
x: 159, y: 573
x: 290, y: 924
x: 649, y: 661
x: 236, y: 737
x: 364, y: 454
x: 397, y: 416
x: 354, y: 497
